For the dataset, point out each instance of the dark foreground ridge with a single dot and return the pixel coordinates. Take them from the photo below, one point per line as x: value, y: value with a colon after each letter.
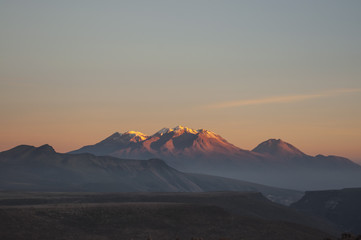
x: 341, y: 207
x: 28, y: 168
x: 163, y: 216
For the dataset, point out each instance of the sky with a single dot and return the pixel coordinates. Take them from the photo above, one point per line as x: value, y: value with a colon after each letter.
x: 74, y: 72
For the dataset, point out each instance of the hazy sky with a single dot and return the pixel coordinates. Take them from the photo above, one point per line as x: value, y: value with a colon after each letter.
x: 74, y: 72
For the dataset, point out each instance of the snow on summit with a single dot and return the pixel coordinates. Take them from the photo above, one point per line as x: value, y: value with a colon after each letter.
x: 137, y: 136
x: 181, y: 129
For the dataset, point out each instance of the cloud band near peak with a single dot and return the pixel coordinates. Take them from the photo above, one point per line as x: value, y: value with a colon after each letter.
x: 284, y: 99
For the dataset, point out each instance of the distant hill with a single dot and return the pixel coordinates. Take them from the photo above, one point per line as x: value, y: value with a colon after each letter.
x: 29, y: 168
x: 273, y: 162
x: 163, y: 216
x: 342, y: 207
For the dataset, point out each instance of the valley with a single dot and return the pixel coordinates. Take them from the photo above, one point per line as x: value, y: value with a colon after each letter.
x: 140, y: 216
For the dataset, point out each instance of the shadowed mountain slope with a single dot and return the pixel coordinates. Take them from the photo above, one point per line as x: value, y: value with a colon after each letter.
x: 342, y: 207
x: 42, y: 169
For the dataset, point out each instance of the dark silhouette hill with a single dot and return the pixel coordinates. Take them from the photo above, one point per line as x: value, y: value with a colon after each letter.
x: 273, y: 162
x: 212, y: 215
x: 342, y: 207
x: 28, y: 168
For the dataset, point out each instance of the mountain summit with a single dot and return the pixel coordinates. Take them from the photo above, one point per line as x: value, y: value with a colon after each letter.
x: 130, y: 136
x: 178, y: 129
x: 177, y: 142
x: 278, y: 148
x: 274, y: 161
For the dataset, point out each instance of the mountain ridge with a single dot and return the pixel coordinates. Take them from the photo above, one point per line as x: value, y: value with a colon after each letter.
x: 273, y: 161
x: 38, y: 169
x: 271, y: 146
x: 341, y: 207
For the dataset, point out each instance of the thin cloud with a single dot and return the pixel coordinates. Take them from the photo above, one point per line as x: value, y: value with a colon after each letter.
x: 284, y: 99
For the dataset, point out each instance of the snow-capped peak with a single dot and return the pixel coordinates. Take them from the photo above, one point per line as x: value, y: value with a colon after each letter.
x: 185, y: 129
x: 207, y: 133
x: 177, y: 129
x: 134, y: 134
x: 162, y: 131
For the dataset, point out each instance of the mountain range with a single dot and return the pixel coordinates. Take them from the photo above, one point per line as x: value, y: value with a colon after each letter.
x: 181, y: 176
x: 273, y: 162
x: 28, y: 168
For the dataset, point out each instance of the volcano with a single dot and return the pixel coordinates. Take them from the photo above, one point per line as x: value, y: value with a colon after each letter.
x: 274, y: 161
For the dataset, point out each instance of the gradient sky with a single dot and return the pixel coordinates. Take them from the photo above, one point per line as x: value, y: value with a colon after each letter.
x: 74, y: 72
